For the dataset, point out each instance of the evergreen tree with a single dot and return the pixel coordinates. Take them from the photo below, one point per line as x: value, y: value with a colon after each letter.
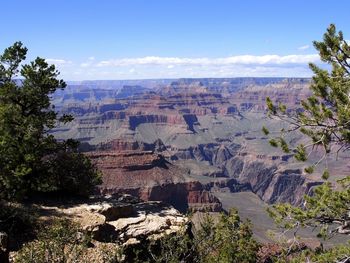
x: 28, y: 152
x: 325, y: 120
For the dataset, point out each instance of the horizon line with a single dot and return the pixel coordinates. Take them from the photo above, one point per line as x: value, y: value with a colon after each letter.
x: 192, y: 78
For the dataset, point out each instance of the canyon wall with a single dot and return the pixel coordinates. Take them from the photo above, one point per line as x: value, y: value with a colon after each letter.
x: 182, y: 141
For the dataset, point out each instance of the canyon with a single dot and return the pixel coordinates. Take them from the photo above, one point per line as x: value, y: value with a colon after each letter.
x: 189, y: 142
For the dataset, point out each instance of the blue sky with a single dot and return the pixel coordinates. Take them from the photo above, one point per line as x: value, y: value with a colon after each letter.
x: 133, y: 39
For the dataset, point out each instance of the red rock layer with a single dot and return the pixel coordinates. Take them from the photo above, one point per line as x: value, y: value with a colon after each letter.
x: 150, y: 177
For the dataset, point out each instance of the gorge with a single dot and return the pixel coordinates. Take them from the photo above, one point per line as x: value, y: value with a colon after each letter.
x: 188, y: 142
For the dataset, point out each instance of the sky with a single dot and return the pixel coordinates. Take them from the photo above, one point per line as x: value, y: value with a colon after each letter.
x: 143, y: 39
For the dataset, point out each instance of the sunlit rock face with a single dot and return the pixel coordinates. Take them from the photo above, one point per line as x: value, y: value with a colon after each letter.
x: 151, y: 178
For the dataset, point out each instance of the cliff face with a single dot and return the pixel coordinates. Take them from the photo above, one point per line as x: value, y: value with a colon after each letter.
x: 150, y: 177
x: 264, y: 175
x: 186, y: 119
x: 187, y: 139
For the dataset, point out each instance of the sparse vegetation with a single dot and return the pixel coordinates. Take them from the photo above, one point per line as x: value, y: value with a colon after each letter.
x: 58, y: 242
x: 226, y: 240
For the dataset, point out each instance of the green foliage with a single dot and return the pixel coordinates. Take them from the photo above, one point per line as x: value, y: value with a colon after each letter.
x: 325, y: 121
x: 224, y: 241
x: 336, y: 254
x: 325, y: 116
x: 300, y: 153
x: 325, y: 174
x: 265, y: 130
x: 71, y: 172
x: 110, y: 254
x: 280, y: 142
x: 273, y: 143
x: 297, y: 254
x: 282, y: 108
x: 59, y: 242
x: 309, y: 169
x: 26, y: 117
x: 284, y: 145
x: 320, y: 210
x: 272, y: 108
x: 173, y: 248
x: 20, y: 221
x: 62, y: 241
x: 229, y: 240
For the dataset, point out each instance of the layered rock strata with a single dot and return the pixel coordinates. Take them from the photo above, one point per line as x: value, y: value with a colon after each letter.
x: 215, y: 123
x: 150, y: 177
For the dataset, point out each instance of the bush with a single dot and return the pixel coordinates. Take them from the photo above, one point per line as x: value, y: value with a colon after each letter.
x: 59, y: 242
x: 19, y: 222
x: 62, y: 241
x: 71, y: 173
x: 227, y: 240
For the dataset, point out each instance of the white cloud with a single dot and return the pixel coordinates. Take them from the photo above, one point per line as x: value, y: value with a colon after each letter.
x: 88, y: 63
x: 195, y: 71
x: 84, y: 65
x: 295, y: 65
x: 232, y: 60
x: 58, y: 61
x: 304, y: 47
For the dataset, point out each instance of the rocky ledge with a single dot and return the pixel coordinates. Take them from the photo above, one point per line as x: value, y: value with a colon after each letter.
x: 124, y: 221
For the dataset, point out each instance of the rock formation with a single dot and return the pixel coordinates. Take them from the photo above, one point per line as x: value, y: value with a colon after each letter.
x: 126, y: 220
x: 184, y: 140
x: 150, y: 177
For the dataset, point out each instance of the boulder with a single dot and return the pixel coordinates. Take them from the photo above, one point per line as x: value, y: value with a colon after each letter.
x: 112, y: 210
x: 109, y: 220
x: 152, y: 220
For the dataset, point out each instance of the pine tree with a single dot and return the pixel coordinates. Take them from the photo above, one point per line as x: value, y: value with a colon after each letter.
x: 325, y: 121
x: 29, y: 154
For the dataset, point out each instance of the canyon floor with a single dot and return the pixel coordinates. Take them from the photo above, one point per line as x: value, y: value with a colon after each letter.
x: 251, y: 207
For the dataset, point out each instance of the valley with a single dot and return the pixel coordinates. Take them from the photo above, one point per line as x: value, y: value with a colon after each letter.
x: 193, y: 143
